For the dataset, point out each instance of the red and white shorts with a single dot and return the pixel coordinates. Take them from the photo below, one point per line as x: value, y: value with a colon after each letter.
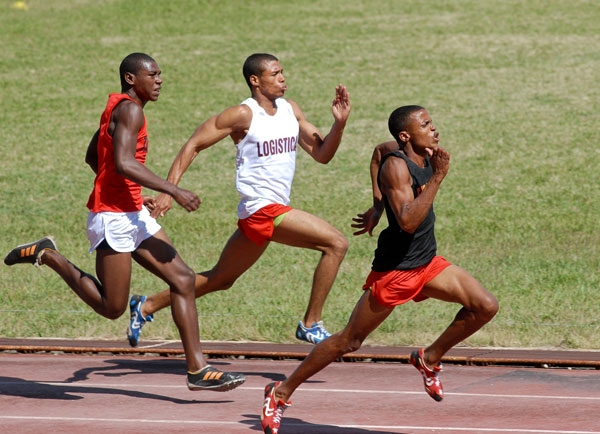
x: 391, y: 288
x: 259, y: 226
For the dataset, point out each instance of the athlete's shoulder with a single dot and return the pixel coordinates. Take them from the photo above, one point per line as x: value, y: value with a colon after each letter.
x: 290, y: 102
x: 393, y: 163
x: 240, y: 111
x: 128, y: 111
x: 295, y: 109
x: 386, y: 147
x: 236, y: 117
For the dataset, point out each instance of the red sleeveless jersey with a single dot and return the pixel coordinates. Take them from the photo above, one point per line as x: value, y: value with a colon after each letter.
x: 113, y: 192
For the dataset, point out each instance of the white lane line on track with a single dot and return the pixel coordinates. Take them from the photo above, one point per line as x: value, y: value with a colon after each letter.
x: 221, y: 423
x: 301, y: 389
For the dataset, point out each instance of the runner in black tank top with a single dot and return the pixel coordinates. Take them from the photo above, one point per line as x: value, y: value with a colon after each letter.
x: 406, y: 265
x: 396, y: 248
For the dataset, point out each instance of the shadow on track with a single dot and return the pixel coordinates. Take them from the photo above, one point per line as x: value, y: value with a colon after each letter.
x: 39, y: 390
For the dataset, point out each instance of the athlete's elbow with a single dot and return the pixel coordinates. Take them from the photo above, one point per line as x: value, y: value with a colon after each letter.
x: 408, y: 227
x: 323, y: 158
x: 122, y: 169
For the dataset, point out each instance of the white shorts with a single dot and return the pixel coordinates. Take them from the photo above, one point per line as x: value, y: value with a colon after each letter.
x: 123, y: 231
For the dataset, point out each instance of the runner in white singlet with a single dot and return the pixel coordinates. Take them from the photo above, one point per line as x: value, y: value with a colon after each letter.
x: 267, y: 130
x: 266, y: 158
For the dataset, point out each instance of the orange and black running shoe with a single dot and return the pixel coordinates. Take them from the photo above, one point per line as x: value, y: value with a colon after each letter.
x: 29, y: 253
x: 213, y: 379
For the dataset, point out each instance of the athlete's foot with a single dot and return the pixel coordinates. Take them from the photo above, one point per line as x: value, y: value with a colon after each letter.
x: 431, y: 380
x: 209, y: 378
x: 272, y: 411
x: 30, y: 253
x: 314, y: 334
x: 136, y: 319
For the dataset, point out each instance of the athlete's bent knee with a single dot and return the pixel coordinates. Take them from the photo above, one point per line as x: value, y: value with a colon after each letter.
x: 488, y: 308
x: 339, y: 245
x: 349, y: 344
x: 185, y: 281
x: 113, y: 312
x: 217, y: 282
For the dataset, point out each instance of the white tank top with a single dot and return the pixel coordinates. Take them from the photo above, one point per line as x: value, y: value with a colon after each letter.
x: 266, y: 158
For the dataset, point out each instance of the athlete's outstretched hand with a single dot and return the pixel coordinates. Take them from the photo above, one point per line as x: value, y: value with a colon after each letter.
x: 341, y: 104
x: 367, y: 221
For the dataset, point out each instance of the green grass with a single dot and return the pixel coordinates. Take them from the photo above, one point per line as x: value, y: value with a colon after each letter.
x: 511, y: 86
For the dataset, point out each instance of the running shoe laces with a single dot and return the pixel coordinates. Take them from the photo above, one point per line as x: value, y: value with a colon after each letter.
x: 209, y: 378
x: 272, y: 411
x: 314, y: 334
x: 30, y: 253
x: 431, y: 380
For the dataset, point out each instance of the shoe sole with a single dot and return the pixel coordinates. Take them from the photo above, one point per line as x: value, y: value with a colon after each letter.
x: 218, y: 387
x: 132, y: 342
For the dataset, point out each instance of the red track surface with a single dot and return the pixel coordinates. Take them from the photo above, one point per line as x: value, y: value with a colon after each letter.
x: 74, y: 393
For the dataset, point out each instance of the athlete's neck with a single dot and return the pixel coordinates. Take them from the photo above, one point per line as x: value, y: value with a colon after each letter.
x: 268, y: 104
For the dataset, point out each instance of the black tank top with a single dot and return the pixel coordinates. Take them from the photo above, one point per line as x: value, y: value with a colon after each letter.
x: 397, y: 249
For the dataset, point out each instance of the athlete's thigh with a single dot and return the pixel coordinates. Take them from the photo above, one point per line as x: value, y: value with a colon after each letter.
x: 302, y: 229
x: 366, y: 317
x: 239, y: 254
x: 456, y: 285
x: 114, y: 272
x: 158, y: 255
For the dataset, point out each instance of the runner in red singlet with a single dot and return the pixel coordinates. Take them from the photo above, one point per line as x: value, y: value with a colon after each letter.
x: 120, y: 226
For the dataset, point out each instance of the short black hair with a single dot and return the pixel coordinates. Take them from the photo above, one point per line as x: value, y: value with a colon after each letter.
x: 254, y: 65
x: 132, y: 64
x: 399, y: 118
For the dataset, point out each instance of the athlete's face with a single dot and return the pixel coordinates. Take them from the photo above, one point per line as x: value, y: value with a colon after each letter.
x: 147, y: 81
x: 271, y: 81
x: 421, y: 131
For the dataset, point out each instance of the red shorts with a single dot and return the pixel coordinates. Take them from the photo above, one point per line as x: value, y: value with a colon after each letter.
x: 395, y: 287
x: 259, y: 226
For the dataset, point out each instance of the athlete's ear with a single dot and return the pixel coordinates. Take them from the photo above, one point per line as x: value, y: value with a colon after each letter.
x: 254, y: 80
x: 404, y: 136
x: 129, y: 78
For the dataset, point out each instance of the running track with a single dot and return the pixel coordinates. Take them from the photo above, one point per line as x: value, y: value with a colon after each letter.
x: 105, y: 393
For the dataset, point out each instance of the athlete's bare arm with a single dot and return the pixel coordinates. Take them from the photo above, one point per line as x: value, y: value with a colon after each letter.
x: 91, y: 155
x: 396, y: 184
x: 311, y: 140
x: 127, y: 120
x: 368, y: 220
x: 233, y: 121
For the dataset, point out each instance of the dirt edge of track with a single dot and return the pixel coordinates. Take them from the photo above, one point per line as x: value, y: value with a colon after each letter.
x: 266, y: 350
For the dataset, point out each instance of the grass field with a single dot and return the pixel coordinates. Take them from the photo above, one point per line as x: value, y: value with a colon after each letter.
x: 511, y: 85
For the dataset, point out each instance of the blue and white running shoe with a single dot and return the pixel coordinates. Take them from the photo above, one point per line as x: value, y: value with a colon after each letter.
x: 314, y: 334
x: 136, y: 320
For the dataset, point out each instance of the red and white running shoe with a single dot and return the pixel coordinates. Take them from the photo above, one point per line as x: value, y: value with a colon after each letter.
x: 433, y: 386
x: 272, y: 410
